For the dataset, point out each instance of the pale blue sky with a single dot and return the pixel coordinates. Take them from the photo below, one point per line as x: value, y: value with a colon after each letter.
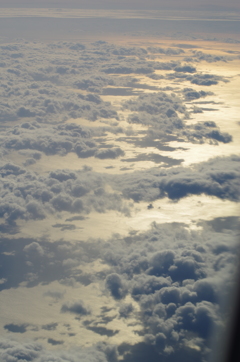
x: 127, y: 4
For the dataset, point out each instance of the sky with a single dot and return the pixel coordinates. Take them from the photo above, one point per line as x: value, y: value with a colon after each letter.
x: 119, y: 183
x: 128, y: 4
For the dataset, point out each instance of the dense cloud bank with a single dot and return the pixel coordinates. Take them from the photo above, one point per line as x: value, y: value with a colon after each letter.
x: 217, y: 177
x: 57, y: 139
x: 175, y: 276
x: 165, y: 114
x: 163, y: 283
x: 32, y: 78
x: 55, y: 82
x: 25, y: 195
x: 11, y: 350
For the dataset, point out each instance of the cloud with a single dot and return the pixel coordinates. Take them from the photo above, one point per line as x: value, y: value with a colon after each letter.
x: 125, y: 310
x: 166, y: 279
x: 197, y: 78
x: 206, y: 178
x: 167, y: 113
x: 155, y: 268
x: 165, y: 51
x: 110, y: 153
x: 15, y: 328
x: 191, y: 94
x: 200, y: 56
x: 116, y: 286
x: 11, y: 350
x: 54, y: 294
x: 54, y: 342
x: 185, y: 69
x: 170, y: 273
x: 50, y: 326
x: 62, y: 139
x: 102, y: 331
x: 34, y: 249
x: 77, y: 307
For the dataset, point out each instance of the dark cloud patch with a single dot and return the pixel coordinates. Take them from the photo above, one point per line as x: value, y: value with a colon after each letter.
x: 165, y: 51
x: 76, y: 218
x: 77, y: 307
x: 209, y: 58
x: 125, y: 310
x: 24, y: 112
x: 154, y: 157
x: 50, y: 326
x: 110, y: 153
x: 150, y: 140
x: 124, y: 69
x: 191, y: 94
x: 103, y: 331
x: 16, y: 328
x: 54, y: 342
x: 185, y: 69
x: 115, y: 285
x: 123, y: 91
x: 197, y: 78
x: 186, y: 46
x: 206, y: 79
x: 129, y: 51
x: 224, y: 223
x: 64, y: 227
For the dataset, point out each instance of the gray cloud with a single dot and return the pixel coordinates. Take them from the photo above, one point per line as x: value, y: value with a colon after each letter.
x: 166, y: 113
x: 32, y: 351
x: 52, y: 140
x: 173, y: 273
x: 77, y: 307
x: 177, y: 288
x: 15, y: 328
x: 217, y: 177
x: 116, y: 286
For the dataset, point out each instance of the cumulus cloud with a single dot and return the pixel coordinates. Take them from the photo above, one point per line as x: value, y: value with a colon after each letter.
x: 115, y: 285
x: 11, y: 350
x: 15, y: 328
x: 167, y: 113
x: 36, y: 138
x: 172, y: 274
x: 167, y: 279
x: 203, y: 79
x: 217, y: 177
x: 177, y: 288
x: 125, y: 310
x: 33, y: 197
x: 77, y: 307
x: 34, y: 248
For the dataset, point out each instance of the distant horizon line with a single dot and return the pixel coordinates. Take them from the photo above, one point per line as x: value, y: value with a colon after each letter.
x: 203, y: 8
x: 164, y: 14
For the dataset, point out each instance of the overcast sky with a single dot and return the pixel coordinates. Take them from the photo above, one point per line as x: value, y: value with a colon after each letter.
x: 127, y: 4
